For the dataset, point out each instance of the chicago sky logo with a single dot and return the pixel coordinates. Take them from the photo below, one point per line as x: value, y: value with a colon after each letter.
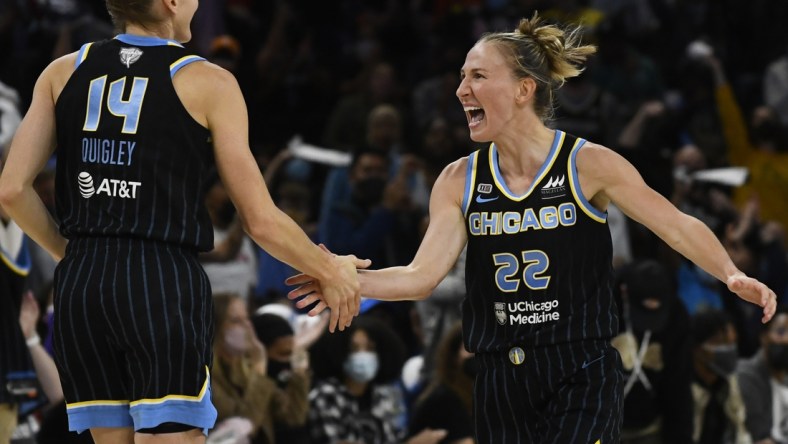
x: 554, y: 187
x: 129, y: 55
x: 124, y: 189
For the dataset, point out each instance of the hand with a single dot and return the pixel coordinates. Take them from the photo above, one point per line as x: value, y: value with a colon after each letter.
x: 428, y: 436
x: 341, y: 294
x: 28, y: 315
x: 754, y: 291
x: 256, y: 350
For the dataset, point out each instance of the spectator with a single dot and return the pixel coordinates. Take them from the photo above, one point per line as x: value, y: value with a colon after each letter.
x: 240, y: 383
x: 763, y: 380
x: 378, y: 222
x: 655, y: 355
x: 446, y: 403
x: 356, y: 398
x: 231, y: 266
x: 288, y: 364
x: 719, y: 410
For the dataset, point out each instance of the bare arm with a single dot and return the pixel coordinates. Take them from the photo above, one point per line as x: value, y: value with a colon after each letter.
x: 442, y: 244
x: 32, y: 146
x: 618, y: 181
x: 225, y: 115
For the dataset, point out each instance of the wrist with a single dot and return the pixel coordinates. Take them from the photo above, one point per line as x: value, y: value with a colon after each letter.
x: 33, y: 341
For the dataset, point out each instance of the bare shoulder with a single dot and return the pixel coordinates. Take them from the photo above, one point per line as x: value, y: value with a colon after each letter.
x: 207, y: 77
x: 451, y: 182
x: 54, y: 77
x: 595, y: 160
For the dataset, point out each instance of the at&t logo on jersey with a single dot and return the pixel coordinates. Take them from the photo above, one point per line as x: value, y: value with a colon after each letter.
x: 124, y: 189
x: 526, y: 312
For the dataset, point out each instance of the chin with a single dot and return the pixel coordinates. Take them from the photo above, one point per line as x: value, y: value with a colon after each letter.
x: 479, y: 137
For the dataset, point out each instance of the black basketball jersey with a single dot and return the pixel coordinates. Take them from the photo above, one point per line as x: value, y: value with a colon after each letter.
x: 131, y: 161
x: 538, y: 269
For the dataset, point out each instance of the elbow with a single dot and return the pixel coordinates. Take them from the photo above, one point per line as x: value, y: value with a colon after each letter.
x: 10, y: 193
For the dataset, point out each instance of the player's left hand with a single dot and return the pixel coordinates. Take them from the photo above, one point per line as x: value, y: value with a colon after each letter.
x: 752, y: 290
x: 309, y: 290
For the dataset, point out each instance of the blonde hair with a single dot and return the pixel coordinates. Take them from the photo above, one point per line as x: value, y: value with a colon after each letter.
x: 547, y: 53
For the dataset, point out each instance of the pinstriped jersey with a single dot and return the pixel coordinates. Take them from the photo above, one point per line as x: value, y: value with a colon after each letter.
x: 131, y: 161
x: 538, y: 269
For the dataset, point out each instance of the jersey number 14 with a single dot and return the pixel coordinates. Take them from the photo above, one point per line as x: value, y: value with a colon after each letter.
x: 128, y: 109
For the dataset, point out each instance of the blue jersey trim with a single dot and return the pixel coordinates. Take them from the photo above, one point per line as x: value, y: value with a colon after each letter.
x: 82, y: 54
x: 558, y: 140
x: 470, y: 179
x: 144, y: 40
x: 574, y: 183
x: 91, y: 416
x: 183, y: 61
x: 201, y: 414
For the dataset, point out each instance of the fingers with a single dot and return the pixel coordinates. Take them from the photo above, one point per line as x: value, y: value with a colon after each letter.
x: 302, y: 291
x: 360, y: 263
x: 307, y: 300
x: 319, y: 309
x: 770, y: 307
x: 299, y: 279
x: 332, y: 323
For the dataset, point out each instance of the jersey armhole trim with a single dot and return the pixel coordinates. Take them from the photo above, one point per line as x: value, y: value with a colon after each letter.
x: 183, y: 61
x: 82, y: 54
x: 470, y: 180
x: 574, y: 185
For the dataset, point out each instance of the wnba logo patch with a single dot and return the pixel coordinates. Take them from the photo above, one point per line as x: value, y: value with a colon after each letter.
x: 129, y: 56
x: 500, y: 312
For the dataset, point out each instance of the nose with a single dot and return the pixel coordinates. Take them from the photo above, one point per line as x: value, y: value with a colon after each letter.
x: 462, y: 89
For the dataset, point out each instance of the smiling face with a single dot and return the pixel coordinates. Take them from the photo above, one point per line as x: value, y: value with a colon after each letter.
x: 487, y: 91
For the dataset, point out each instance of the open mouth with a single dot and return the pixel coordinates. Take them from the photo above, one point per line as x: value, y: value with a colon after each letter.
x: 475, y: 115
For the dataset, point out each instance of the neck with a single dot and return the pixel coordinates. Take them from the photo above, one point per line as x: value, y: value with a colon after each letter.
x: 355, y: 388
x: 523, y: 152
x: 162, y: 31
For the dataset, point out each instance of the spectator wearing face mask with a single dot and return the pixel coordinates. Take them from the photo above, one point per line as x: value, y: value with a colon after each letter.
x: 655, y: 355
x: 719, y: 410
x: 355, y: 398
x: 288, y: 366
x: 379, y: 220
x: 240, y: 382
x: 764, y: 383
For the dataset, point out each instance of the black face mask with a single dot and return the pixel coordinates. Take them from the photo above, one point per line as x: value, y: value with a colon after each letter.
x: 778, y: 356
x: 470, y: 367
x: 723, y: 360
x: 279, y: 371
x: 369, y: 192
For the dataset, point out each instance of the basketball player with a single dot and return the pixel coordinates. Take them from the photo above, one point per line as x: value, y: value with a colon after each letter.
x: 539, y: 311
x: 136, y: 121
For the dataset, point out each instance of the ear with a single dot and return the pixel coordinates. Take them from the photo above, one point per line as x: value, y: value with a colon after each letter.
x: 170, y: 6
x: 526, y: 91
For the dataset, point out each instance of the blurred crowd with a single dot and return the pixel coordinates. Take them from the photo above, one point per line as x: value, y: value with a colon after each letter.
x: 693, y: 92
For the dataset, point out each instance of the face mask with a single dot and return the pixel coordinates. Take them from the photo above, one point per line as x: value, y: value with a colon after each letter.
x: 235, y: 339
x: 279, y: 371
x: 470, y: 367
x: 361, y: 366
x: 723, y: 359
x: 778, y: 356
x: 369, y: 191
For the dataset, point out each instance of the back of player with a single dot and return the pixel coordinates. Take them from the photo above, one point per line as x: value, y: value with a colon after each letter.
x: 540, y: 312
x: 133, y: 305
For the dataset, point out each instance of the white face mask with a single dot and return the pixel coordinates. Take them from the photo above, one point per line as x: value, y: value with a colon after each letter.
x: 361, y: 366
x: 235, y: 339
